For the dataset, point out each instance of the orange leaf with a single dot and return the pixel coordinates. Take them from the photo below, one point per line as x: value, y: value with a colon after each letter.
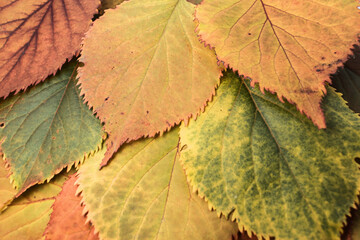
x: 289, y: 47
x: 37, y: 37
x: 67, y: 221
x: 145, y: 69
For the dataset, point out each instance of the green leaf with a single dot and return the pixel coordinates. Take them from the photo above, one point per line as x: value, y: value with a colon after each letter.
x: 28, y: 215
x: 46, y: 129
x: 143, y: 194
x: 263, y: 160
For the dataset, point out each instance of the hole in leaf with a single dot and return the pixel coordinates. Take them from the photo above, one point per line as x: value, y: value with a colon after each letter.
x: 2, y: 125
x: 357, y: 160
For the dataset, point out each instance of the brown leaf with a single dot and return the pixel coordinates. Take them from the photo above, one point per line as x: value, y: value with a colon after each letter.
x: 37, y: 37
x: 67, y: 221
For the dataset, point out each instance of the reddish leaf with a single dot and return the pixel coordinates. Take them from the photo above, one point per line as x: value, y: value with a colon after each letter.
x: 67, y: 221
x: 288, y: 47
x: 145, y: 69
x: 37, y: 37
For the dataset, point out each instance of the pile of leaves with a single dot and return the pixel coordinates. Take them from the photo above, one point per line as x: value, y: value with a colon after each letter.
x: 177, y: 119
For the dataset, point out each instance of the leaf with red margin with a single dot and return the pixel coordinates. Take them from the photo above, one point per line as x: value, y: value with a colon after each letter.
x: 28, y: 215
x: 37, y: 37
x: 288, y: 47
x: 153, y: 73
x: 67, y: 220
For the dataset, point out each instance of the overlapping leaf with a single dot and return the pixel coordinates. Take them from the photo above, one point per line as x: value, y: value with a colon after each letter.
x: 289, y: 47
x: 67, y: 221
x: 262, y: 159
x: 143, y: 194
x: 46, y: 129
x: 7, y: 191
x: 153, y: 72
x: 27, y: 217
x: 37, y: 37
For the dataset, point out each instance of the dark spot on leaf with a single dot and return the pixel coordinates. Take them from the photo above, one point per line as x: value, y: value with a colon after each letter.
x: 183, y: 148
x: 112, y: 68
x: 335, y: 52
x: 122, y: 113
x: 319, y: 70
x: 168, y: 123
x: 106, y: 98
x: 329, y: 65
x: 249, y: 33
x: 322, y: 58
x: 147, y: 112
x: 306, y: 90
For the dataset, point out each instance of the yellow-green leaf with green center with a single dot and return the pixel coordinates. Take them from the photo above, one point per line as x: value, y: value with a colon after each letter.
x: 46, y: 129
x: 27, y: 216
x: 153, y: 73
x: 279, y: 174
x: 143, y: 194
x: 288, y: 47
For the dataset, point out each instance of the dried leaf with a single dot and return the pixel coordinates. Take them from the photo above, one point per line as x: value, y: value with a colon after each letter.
x: 152, y: 65
x: 288, y: 47
x: 37, y: 37
x: 67, y: 221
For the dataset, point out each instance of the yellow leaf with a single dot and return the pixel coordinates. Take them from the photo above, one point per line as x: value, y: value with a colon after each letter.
x: 27, y: 216
x: 143, y: 194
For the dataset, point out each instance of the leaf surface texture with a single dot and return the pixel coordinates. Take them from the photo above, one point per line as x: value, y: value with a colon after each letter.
x: 288, y: 47
x: 152, y: 65
x: 37, y: 37
x: 46, y: 129
x: 283, y: 177
x: 143, y: 194
x: 27, y: 216
x: 67, y: 221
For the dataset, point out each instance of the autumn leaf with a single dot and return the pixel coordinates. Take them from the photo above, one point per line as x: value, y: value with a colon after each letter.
x: 288, y: 47
x: 152, y: 65
x: 67, y: 221
x: 143, y: 194
x: 37, y: 37
x: 47, y: 129
x: 7, y: 191
x: 262, y: 160
x: 26, y: 218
